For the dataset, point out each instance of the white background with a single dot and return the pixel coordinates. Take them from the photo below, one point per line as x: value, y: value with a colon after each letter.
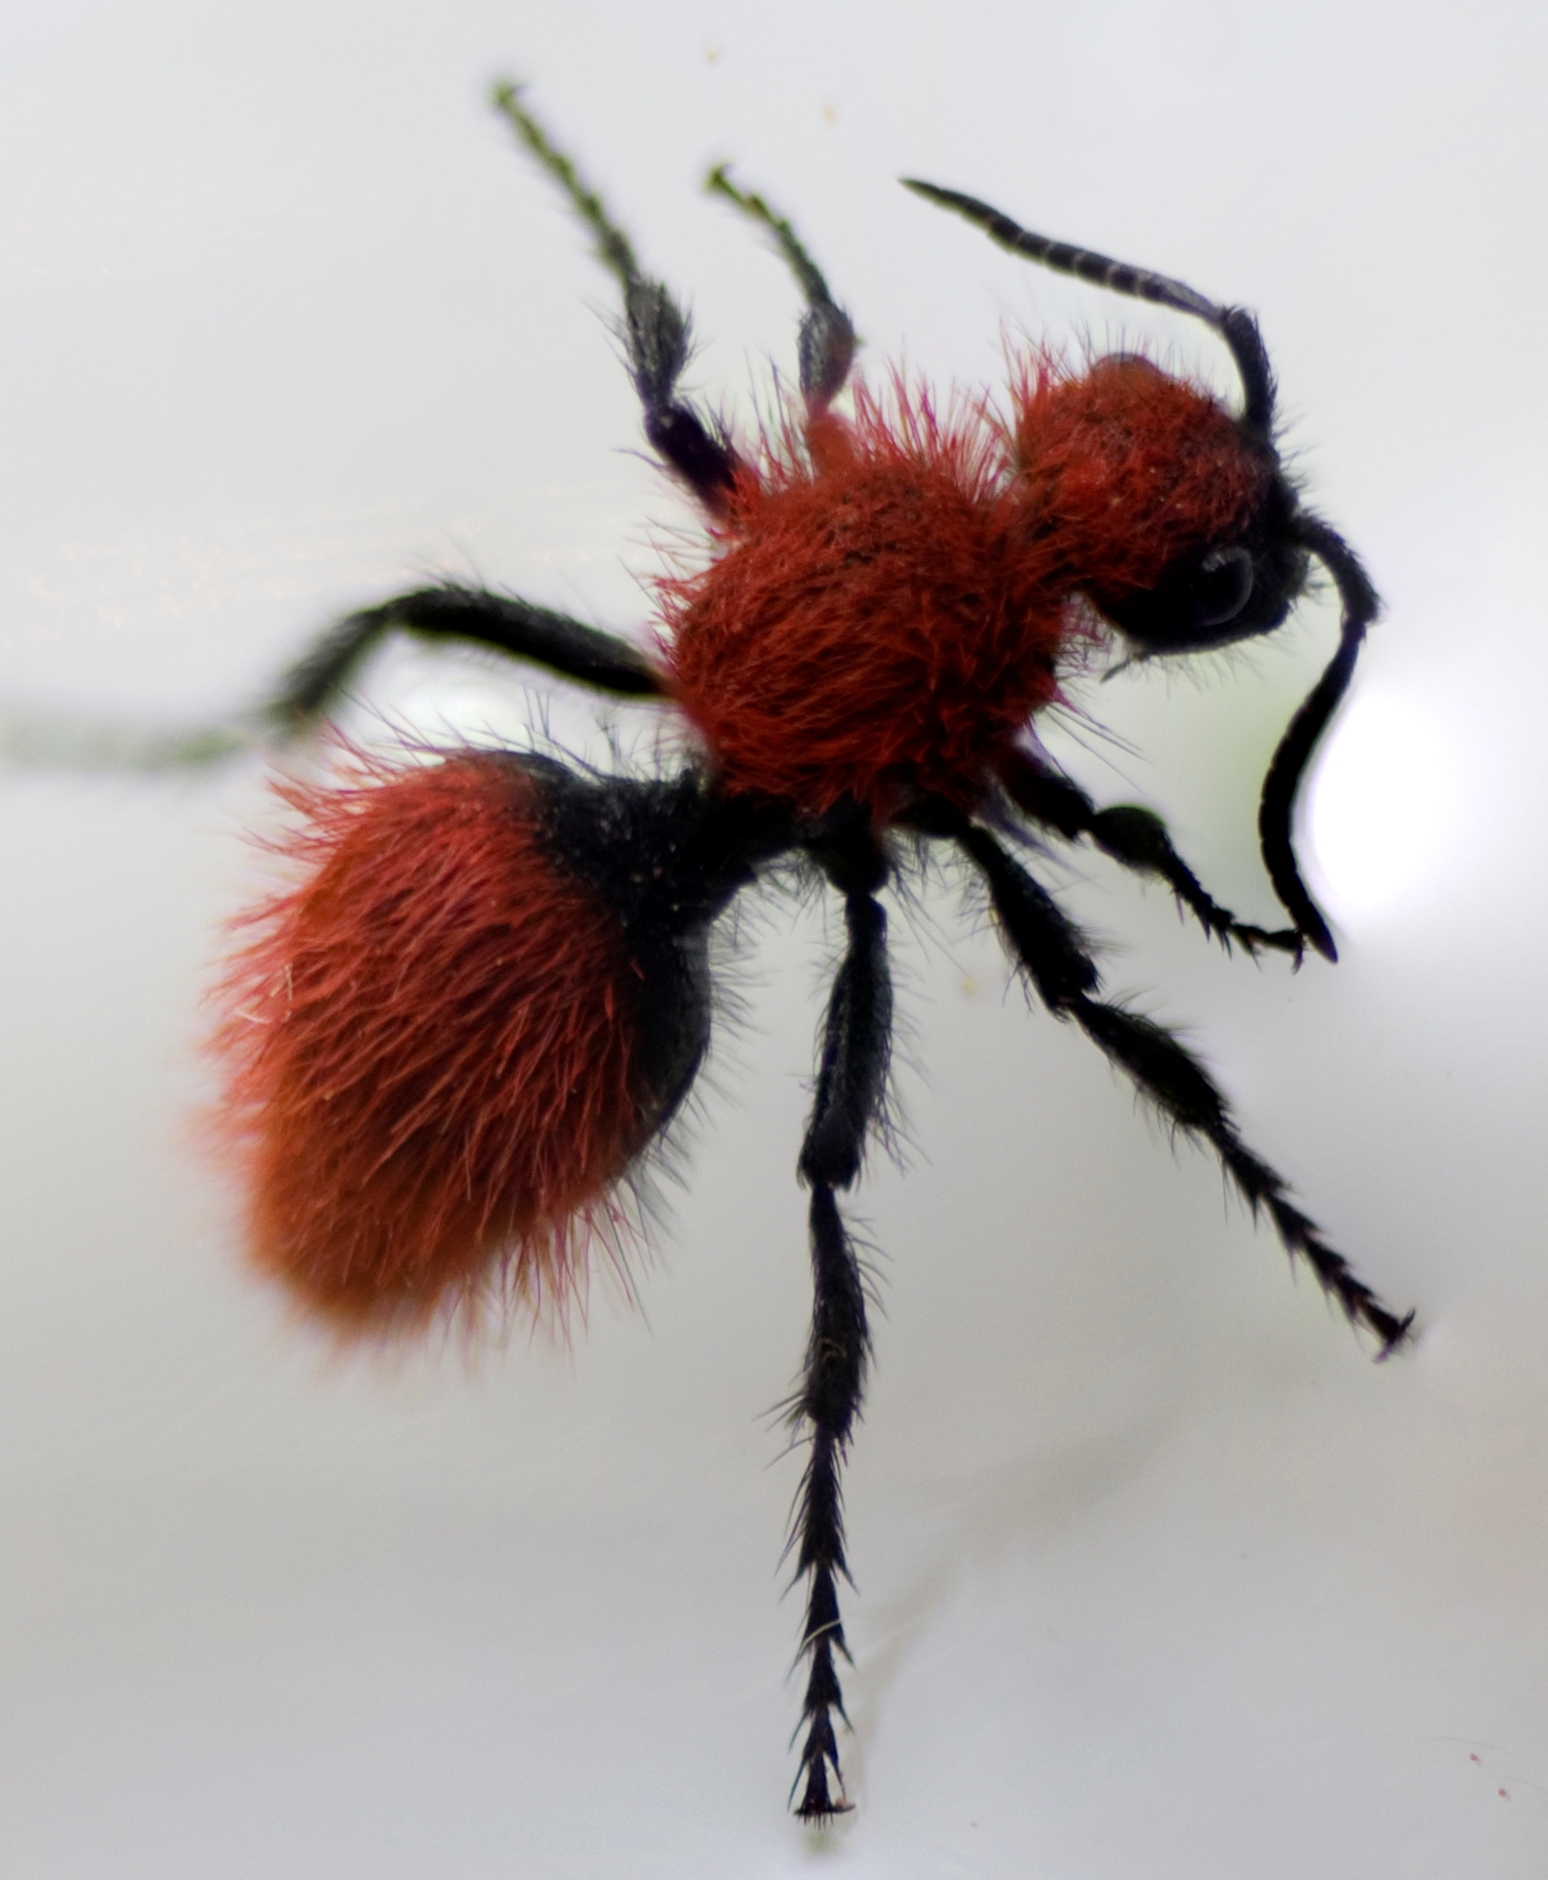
x: 1158, y: 1575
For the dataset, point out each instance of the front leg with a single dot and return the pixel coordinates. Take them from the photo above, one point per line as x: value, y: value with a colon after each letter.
x: 1137, y: 839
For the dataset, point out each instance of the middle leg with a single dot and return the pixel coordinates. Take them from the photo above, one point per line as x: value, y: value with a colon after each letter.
x: 1054, y: 955
x: 825, y: 347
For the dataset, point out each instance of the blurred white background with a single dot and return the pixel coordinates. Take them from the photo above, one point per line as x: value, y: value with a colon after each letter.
x: 1158, y: 1575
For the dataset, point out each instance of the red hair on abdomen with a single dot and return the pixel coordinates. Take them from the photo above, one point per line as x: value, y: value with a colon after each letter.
x: 428, y: 1049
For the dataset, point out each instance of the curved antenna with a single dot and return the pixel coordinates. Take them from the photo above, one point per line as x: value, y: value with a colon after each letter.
x: 1276, y: 812
x: 1235, y: 325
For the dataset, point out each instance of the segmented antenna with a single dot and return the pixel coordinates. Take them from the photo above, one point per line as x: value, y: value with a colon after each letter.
x: 1064, y: 258
x: 1235, y: 325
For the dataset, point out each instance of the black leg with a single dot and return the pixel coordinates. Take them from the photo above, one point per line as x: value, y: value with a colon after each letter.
x: 851, y: 1081
x: 565, y: 646
x: 1138, y: 840
x: 1057, y: 961
x: 314, y: 685
x: 826, y: 345
x: 656, y: 329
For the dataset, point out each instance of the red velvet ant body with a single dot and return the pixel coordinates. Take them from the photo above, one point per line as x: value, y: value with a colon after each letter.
x: 488, y: 993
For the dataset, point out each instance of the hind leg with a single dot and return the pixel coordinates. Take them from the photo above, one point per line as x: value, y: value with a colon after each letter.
x: 656, y: 330
x: 826, y: 343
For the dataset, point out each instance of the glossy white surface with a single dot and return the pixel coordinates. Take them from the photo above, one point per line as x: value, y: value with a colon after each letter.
x: 1158, y: 1575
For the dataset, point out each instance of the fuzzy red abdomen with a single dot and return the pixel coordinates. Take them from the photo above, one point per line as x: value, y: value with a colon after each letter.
x: 428, y: 1050
x: 880, y: 623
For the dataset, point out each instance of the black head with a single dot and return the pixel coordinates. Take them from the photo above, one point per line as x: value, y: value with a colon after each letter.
x: 1218, y: 593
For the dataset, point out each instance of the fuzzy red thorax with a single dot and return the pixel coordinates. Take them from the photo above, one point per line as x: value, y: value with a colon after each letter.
x: 894, y: 599
x: 428, y: 1052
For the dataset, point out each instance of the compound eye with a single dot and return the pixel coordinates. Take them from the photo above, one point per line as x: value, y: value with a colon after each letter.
x: 1222, y: 586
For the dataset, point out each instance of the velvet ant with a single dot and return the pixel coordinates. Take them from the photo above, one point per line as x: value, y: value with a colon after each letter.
x: 487, y: 993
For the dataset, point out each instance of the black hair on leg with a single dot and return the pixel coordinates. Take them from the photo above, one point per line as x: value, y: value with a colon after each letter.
x: 851, y: 1080
x: 568, y: 647
x: 1137, y: 839
x: 656, y: 330
x: 827, y: 1406
x: 826, y: 345
x: 1056, y: 958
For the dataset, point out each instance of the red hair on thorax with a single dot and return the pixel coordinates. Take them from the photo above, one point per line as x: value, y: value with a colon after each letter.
x: 877, y: 614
